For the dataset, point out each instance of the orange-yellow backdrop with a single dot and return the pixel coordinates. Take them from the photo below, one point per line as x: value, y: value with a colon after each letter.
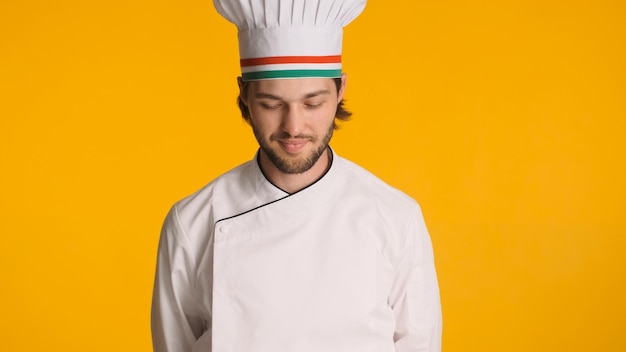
x: 504, y: 119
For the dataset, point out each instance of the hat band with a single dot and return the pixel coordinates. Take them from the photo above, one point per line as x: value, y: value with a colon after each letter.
x: 328, y: 59
x: 291, y: 67
x: 253, y: 76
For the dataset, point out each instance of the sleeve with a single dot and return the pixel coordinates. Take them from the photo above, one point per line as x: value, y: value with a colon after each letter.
x: 414, y: 295
x: 176, y: 321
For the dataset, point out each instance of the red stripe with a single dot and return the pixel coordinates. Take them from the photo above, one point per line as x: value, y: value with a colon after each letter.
x: 291, y: 60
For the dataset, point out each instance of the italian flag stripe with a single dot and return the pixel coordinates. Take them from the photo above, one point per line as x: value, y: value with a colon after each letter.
x: 250, y: 76
x: 290, y: 60
x: 285, y: 67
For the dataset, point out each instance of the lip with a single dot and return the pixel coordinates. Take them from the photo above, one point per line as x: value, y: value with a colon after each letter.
x: 292, y: 146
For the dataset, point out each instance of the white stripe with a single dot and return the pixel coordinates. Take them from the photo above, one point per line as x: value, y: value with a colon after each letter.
x: 278, y: 67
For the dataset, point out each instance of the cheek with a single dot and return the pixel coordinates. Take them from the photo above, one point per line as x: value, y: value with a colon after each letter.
x: 327, y: 115
x: 263, y: 123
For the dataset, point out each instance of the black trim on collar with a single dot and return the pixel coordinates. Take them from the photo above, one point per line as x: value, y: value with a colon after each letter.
x: 332, y: 159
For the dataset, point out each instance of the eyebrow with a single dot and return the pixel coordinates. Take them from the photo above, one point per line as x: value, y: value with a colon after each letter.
x: 262, y: 95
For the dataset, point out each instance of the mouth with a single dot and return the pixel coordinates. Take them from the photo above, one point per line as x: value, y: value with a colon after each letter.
x: 292, y: 146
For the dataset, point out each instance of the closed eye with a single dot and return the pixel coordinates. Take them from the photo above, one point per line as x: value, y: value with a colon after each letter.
x: 313, y: 105
x: 270, y: 106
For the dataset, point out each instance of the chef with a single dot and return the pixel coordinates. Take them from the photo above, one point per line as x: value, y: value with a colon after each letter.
x: 298, y: 249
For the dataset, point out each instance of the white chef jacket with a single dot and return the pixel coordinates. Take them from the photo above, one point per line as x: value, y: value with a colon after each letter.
x: 343, y: 265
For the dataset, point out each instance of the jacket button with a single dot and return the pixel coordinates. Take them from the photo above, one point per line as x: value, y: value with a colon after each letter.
x: 223, y: 229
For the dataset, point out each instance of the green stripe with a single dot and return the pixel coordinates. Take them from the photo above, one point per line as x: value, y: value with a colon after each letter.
x: 251, y: 76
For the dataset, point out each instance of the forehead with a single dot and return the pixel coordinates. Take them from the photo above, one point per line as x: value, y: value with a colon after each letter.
x: 292, y: 88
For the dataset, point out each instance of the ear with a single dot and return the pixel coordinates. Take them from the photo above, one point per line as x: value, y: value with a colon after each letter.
x: 242, y: 91
x: 342, y: 90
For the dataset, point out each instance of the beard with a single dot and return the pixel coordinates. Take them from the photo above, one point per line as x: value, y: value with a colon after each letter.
x: 299, y: 165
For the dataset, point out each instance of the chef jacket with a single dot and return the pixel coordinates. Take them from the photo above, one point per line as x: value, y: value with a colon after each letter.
x: 343, y: 265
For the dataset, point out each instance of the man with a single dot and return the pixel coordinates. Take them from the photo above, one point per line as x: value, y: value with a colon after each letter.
x: 298, y: 249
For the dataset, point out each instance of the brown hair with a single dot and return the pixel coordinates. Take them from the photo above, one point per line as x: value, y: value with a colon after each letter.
x: 341, y: 114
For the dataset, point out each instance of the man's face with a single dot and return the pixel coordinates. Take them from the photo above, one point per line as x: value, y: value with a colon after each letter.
x: 293, y: 119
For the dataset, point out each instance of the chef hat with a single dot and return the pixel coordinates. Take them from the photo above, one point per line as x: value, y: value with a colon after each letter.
x: 290, y: 38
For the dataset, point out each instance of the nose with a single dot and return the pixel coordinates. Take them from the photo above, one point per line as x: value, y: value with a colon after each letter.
x: 293, y: 121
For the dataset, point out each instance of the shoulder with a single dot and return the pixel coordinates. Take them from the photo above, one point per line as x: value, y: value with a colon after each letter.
x: 236, y: 178
x: 200, y: 209
x: 361, y: 182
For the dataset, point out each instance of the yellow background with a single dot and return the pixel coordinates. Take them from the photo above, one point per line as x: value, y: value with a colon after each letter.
x: 504, y: 119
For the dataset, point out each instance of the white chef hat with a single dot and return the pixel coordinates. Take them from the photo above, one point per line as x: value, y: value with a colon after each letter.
x: 290, y: 38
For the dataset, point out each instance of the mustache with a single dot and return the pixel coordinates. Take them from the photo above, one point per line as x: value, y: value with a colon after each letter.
x: 285, y: 135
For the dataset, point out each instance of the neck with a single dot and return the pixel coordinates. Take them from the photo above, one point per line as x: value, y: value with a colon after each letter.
x: 292, y: 183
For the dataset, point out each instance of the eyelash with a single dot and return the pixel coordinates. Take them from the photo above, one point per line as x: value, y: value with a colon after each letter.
x: 277, y: 106
x: 270, y: 107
